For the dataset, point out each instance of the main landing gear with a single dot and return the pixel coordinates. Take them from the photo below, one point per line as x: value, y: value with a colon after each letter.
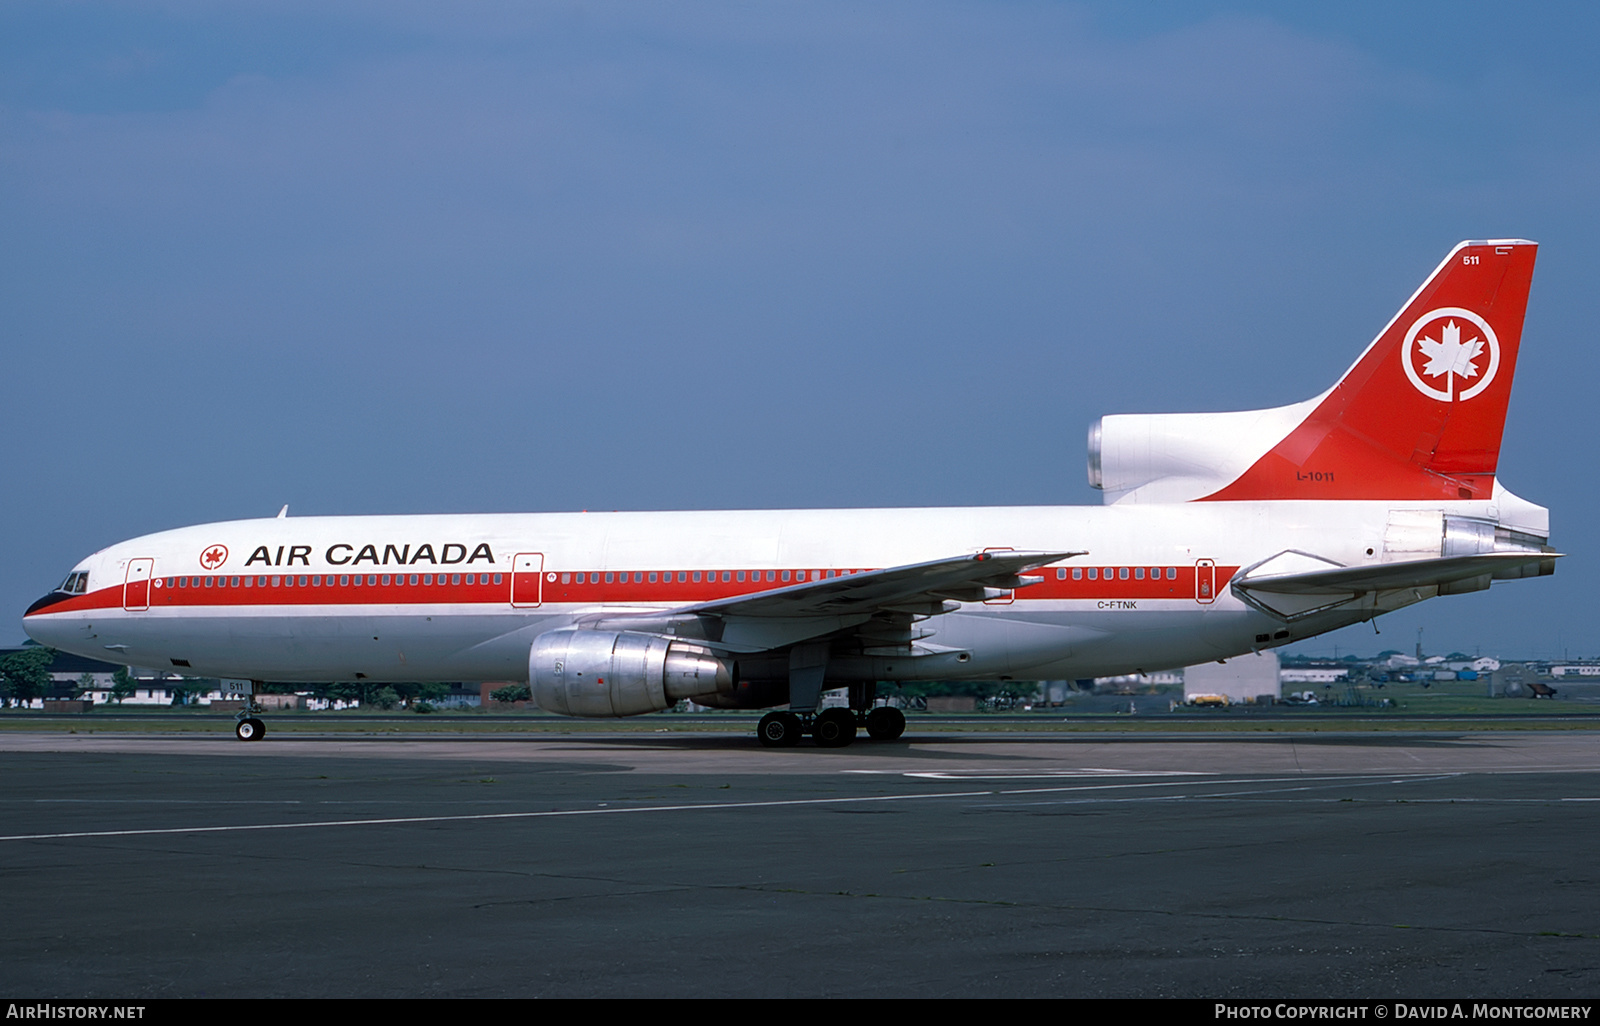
x: 830, y: 728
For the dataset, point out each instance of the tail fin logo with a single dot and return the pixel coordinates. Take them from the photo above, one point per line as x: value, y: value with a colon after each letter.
x: 1456, y: 349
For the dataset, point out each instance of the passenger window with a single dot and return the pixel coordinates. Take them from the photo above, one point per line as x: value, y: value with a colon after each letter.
x: 1122, y: 574
x: 1172, y: 573
x: 413, y: 579
x: 1061, y: 573
x: 772, y: 573
x: 1094, y: 573
x: 740, y: 576
x: 652, y: 578
x: 1138, y: 573
x: 1077, y: 573
x: 728, y: 576
x: 455, y: 578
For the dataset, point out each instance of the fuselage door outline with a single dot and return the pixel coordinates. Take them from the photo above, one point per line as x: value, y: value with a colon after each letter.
x: 1205, y: 581
x: 136, y: 586
x: 527, y: 580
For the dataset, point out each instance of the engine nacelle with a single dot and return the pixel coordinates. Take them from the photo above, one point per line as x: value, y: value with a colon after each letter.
x: 579, y: 672
x: 1179, y: 457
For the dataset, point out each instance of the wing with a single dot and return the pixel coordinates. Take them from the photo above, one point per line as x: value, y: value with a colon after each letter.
x: 895, y: 596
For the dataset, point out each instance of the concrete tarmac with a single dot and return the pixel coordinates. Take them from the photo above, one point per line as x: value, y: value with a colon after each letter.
x: 601, y: 864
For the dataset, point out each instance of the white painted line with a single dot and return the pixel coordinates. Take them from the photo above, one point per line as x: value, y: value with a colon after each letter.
x: 483, y: 816
x: 1053, y: 774
x: 1361, y: 778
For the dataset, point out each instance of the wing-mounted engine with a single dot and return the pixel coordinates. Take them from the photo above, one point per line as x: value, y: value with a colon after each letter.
x: 578, y: 672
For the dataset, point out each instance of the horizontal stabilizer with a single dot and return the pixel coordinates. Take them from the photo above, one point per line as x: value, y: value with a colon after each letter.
x: 1418, y: 573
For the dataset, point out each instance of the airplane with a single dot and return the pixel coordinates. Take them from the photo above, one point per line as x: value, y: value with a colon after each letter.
x: 1221, y: 534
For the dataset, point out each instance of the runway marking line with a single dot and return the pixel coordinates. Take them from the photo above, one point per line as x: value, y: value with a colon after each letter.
x: 603, y: 810
x: 606, y: 809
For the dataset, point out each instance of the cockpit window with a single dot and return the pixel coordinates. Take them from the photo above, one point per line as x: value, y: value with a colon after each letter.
x: 76, y: 583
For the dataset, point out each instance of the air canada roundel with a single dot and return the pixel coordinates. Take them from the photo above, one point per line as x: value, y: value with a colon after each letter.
x: 1450, y: 354
x: 213, y: 556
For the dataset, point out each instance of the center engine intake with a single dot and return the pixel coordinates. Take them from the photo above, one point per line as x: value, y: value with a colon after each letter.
x: 579, y: 672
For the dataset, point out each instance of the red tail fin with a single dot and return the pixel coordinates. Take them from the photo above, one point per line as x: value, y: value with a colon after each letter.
x: 1421, y: 413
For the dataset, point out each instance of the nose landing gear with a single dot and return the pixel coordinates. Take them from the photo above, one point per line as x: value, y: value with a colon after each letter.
x: 248, y: 727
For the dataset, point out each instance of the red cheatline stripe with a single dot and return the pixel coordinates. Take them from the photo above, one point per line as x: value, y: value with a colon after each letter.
x: 232, y: 591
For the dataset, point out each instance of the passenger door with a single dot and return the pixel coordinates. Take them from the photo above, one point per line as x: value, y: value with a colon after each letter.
x: 527, y: 580
x: 136, y: 586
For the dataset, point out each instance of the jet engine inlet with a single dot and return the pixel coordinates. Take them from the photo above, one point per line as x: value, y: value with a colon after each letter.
x: 579, y: 672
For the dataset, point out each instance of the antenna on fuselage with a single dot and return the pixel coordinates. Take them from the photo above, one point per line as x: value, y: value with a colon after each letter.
x: 284, y: 512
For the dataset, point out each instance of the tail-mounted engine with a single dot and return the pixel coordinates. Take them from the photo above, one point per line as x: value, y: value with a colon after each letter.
x: 579, y: 672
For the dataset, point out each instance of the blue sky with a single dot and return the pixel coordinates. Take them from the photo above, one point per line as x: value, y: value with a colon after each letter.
x: 388, y: 257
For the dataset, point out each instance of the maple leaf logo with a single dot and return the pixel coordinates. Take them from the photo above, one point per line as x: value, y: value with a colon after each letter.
x: 1453, y: 344
x: 214, y: 557
x: 1450, y: 355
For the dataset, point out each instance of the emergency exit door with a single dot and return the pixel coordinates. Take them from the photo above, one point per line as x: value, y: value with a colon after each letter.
x: 1205, y: 581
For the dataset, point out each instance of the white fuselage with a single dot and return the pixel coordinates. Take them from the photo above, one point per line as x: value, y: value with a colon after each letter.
x: 462, y: 598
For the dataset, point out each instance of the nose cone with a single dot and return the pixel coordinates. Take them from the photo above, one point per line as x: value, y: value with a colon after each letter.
x: 55, y: 631
x: 54, y: 598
